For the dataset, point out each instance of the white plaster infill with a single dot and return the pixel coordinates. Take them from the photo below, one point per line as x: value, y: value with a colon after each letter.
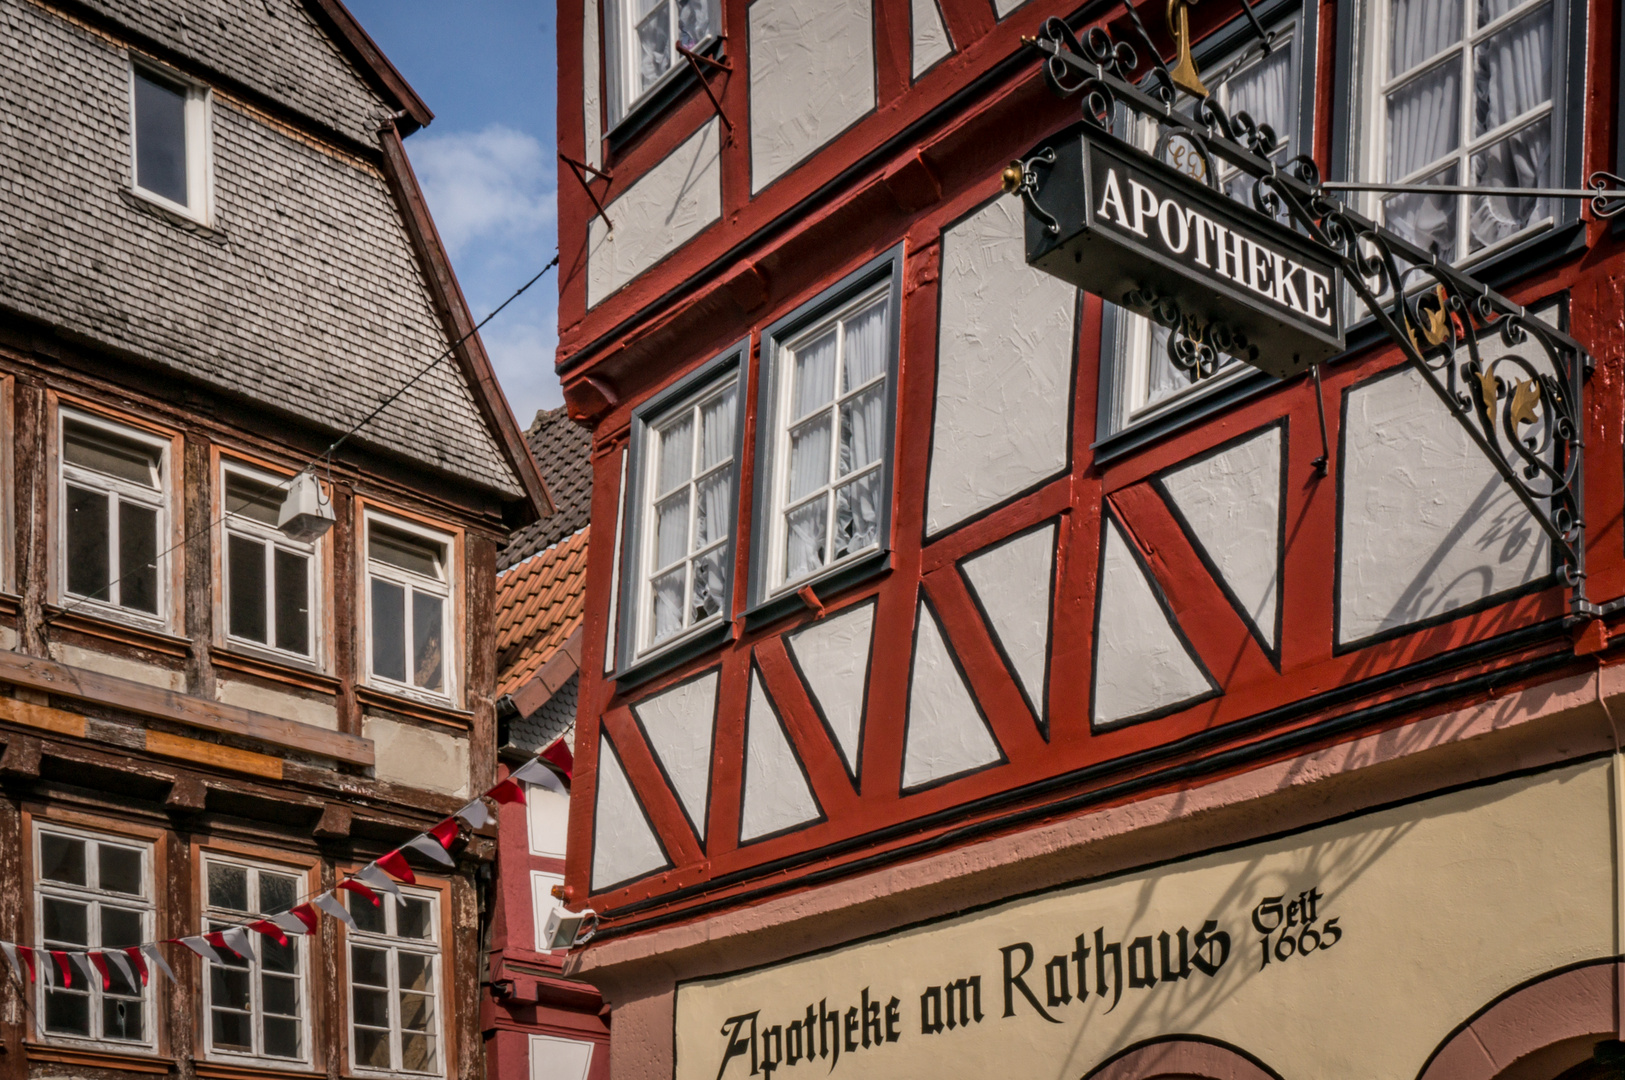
x: 662, y: 210
x: 812, y: 75
x: 1536, y: 727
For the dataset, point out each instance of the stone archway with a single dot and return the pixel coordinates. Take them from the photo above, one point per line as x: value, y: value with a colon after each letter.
x: 1537, y: 1031
x: 1182, y: 1058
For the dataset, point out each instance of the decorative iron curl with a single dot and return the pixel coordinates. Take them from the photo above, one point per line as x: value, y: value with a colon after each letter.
x: 1197, y: 349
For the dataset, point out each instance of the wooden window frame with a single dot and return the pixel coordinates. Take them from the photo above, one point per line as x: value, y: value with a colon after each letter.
x: 309, y: 954
x: 439, y: 891
x: 318, y: 551
x: 199, y: 110
x: 154, y: 850
x: 170, y: 520
x: 451, y: 591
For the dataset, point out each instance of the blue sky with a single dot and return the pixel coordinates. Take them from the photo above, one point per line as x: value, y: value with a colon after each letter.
x: 487, y: 163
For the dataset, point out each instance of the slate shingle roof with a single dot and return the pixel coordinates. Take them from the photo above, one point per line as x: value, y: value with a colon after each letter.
x: 273, y: 46
x: 306, y: 298
x: 538, y: 730
x: 539, y: 605
x: 563, y: 449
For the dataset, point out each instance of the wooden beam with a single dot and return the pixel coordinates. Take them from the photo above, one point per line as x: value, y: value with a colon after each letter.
x: 229, y: 758
x: 36, y: 673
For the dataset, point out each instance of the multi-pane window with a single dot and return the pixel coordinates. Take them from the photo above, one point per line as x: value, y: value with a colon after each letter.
x: 409, y: 600
x: 644, y: 38
x: 256, y: 1004
x: 169, y: 124
x: 112, y: 494
x: 1463, y: 92
x: 395, y: 984
x: 1265, y: 87
x: 688, y: 514
x: 92, y: 892
x: 832, y: 430
x: 270, y: 579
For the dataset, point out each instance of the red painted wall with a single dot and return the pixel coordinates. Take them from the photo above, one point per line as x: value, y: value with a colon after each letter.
x: 828, y: 216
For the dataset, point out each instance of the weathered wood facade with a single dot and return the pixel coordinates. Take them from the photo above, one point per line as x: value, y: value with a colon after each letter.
x: 214, y: 264
x: 936, y: 584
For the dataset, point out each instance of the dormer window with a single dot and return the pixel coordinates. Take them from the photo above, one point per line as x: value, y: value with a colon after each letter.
x: 169, y: 125
x: 642, y: 46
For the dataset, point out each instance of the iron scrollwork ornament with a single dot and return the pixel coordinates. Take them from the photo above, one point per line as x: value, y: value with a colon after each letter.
x: 1513, y: 382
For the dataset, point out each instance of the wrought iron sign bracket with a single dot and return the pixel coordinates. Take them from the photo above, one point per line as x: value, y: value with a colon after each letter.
x: 580, y: 169
x: 694, y: 61
x: 1514, y: 383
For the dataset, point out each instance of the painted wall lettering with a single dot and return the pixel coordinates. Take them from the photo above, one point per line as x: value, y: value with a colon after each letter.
x: 1293, y: 927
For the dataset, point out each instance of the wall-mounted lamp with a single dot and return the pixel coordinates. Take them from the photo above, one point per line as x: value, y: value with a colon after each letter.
x: 567, y: 928
x: 306, y: 513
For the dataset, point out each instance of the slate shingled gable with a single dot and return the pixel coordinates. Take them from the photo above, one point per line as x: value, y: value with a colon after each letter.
x: 306, y: 296
x: 563, y: 450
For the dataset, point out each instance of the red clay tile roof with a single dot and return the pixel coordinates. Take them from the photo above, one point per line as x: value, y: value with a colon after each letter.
x: 539, y: 605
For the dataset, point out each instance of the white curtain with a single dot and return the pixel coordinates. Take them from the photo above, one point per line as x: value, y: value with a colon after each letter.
x: 1512, y: 74
x: 1420, y: 29
x: 713, y: 516
x: 813, y: 375
x: 1265, y: 92
x: 863, y: 432
x: 1424, y: 126
x: 654, y: 41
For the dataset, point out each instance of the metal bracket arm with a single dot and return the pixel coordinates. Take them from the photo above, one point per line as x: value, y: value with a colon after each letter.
x: 580, y: 169
x: 694, y: 61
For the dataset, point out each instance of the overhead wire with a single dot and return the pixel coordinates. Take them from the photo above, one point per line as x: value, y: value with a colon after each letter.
x: 325, y: 458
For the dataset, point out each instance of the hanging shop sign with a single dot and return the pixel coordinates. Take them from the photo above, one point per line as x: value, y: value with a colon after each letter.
x: 1121, y: 224
x: 1350, y: 950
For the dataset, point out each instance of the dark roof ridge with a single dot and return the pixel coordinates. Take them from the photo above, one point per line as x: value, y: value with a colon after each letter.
x: 353, y: 38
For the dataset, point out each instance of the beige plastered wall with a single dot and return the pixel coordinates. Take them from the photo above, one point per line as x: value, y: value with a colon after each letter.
x: 1535, y: 731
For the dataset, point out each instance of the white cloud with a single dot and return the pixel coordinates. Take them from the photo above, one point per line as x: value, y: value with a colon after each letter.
x: 492, y: 185
x: 492, y: 194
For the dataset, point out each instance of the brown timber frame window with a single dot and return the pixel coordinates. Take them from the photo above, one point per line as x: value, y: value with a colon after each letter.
x: 270, y: 594
x: 394, y: 975
x: 409, y: 608
x: 257, y: 1006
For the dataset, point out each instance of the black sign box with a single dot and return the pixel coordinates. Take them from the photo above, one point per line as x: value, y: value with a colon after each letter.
x: 1131, y: 227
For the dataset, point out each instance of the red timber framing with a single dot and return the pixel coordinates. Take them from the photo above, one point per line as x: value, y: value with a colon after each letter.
x: 927, y: 156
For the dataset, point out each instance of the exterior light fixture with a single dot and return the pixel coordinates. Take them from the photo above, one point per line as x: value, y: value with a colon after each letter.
x: 306, y: 513
x: 567, y: 928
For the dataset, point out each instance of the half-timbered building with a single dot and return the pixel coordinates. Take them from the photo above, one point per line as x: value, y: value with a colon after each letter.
x: 973, y: 684
x: 256, y: 474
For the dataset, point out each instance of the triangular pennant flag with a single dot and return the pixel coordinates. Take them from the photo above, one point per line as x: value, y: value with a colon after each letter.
x: 535, y: 771
x: 396, y: 865
x: 101, y: 969
x: 476, y: 813
x: 238, y: 941
x: 199, y: 945
x: 291, y: 922
x: 61, y: 959
x: 47, y: 970
x: 271, y: 930
x: 559, y: 754
x: 428, y: 846
x: 28, y: 958
x: 507, y: 792
x: 444, y: 833
x: 140, y: 965
x: 11, y: 956
x: 352, y: 885
x: 151, y: 953
x: 378, y: 880
x: 82, y: 962
x: 218, y: 940
x: 306, y: 915
x: 117, y: 958
x: 329, y: 903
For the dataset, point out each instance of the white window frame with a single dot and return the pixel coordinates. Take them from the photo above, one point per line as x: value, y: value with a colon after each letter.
x: 94, y: 897
x: 878, y: 281
x: 1370, y: 129
x: 273, y: 539
x: 542, y: 904
x: 705, y: 386
x: 447, y: 590
x: 118, y: 490
x: 256, y: 1015
x: 621, y: 54
x: 394, y: 946
x: 199, y: 205
x: 1129, y: 337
